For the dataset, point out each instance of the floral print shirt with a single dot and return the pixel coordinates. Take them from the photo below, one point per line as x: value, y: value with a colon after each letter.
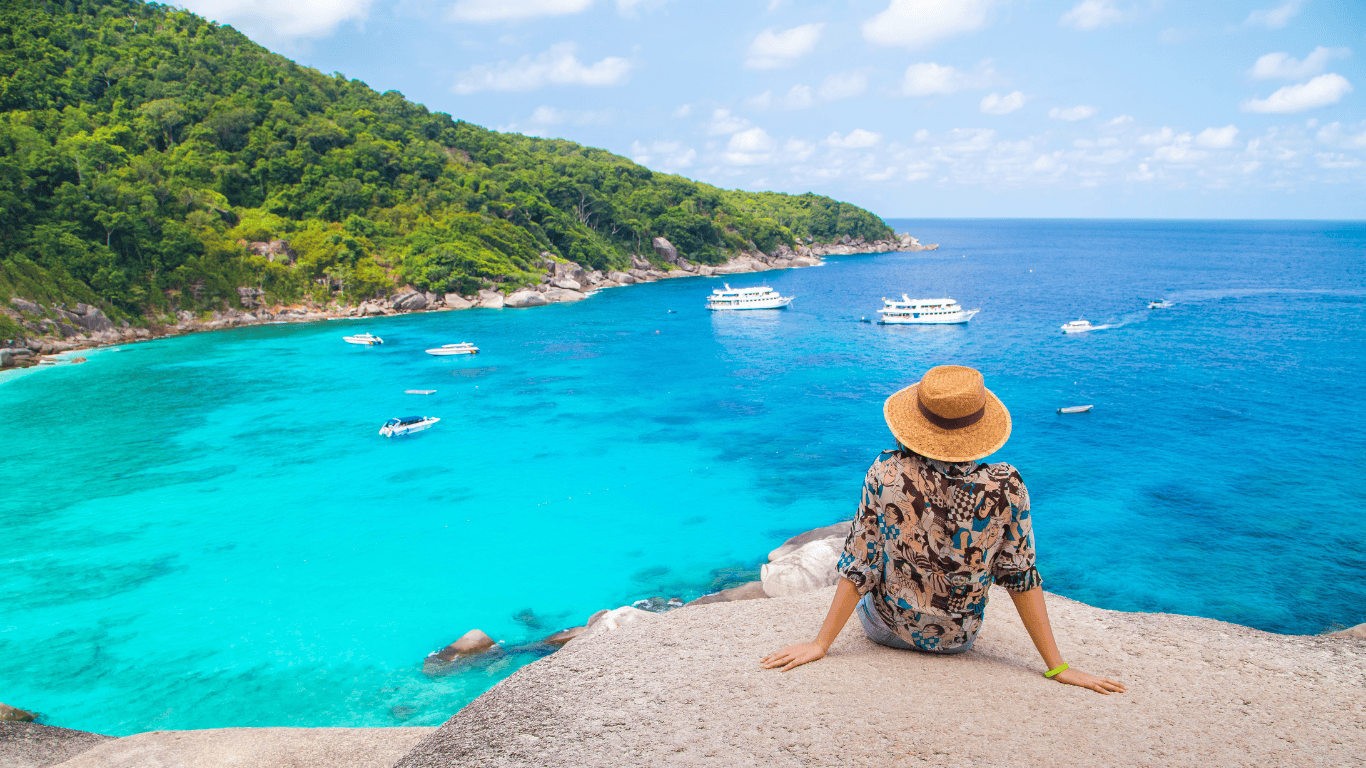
x: 931, y: 536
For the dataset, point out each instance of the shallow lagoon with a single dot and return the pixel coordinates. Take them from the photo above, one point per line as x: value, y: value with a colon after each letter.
x: 206, y: 531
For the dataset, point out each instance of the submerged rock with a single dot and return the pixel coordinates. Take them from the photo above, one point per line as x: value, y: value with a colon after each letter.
x: 473, y: 645
x: 10, y: 714
x: 563, y: 636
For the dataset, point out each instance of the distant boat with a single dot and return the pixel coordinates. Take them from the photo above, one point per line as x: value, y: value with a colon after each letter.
x: 1159, y: 304
x: 406, y: 425
x: 463, y: 348
x: 1076, y: 409
x: 366, y: 339
x: 1081, y: 326
x: 419, y: 391
x: 924, y: 311
x: 761, y: 297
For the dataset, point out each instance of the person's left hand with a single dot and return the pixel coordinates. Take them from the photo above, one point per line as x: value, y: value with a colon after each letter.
x: 1099, y: 684
x: 793, y: 656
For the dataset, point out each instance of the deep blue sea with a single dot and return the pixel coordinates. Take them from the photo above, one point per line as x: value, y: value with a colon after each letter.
x: 207, y: 531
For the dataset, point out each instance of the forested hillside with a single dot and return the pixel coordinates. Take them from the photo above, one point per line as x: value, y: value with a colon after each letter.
x: 142, y: 149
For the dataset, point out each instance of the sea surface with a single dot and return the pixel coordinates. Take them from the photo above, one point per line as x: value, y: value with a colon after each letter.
x: 207, y: 531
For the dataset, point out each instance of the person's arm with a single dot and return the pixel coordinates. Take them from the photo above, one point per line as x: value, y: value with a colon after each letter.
x: 1034, y: 614
x: 841, y: 608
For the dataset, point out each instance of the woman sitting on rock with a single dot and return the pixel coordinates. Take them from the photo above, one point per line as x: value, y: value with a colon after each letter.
x: 935, y: 529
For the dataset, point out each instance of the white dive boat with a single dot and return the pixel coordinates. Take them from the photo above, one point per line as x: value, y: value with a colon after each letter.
x: 1081, y: 326
x: 1159, y: 304
x: 928, y: 311
x: 367, y: 339
x: 760, y: 297
x: 463, y: 348
x: 1076, y: 409
x: 406, y: 425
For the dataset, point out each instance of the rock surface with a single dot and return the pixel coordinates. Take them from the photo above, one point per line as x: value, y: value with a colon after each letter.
x: 522, y: 299
x: 1357, y: 631
x: 808, y: 567
x: 28, y: 745
x: 837, y: 531
x: 456, y: 301
x: 254, y: 748
x: 685, y: 689
x: 754, y: 590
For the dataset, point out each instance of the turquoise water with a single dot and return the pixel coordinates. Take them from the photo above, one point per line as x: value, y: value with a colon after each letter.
x: 206, y: 531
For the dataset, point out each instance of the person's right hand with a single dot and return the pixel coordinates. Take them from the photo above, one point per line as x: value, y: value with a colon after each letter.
x: 1098, y: 684
x: 793, y: 656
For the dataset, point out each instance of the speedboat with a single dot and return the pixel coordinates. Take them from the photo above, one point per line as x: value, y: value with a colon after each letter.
x: 1081, y: 326
x: 406, y: 425
x: 1159, y: 304
x: 923, y: 311
x: 1076, y: 409
x: 760, y: 297
x: 367, y: 339
x: 463, y: 348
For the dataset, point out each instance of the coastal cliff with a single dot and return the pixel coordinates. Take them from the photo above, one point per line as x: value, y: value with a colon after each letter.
x: 60, y: 329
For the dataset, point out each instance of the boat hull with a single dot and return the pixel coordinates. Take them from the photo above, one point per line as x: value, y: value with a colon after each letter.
x: 400, y: 430
x: 446, y: 352
x: 957, y: 318
x: 726, y: 306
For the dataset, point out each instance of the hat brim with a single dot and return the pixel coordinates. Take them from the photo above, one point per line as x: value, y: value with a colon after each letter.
x: 915, y: 432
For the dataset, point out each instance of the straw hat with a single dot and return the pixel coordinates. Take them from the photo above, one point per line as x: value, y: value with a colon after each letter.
x: 949, y: 415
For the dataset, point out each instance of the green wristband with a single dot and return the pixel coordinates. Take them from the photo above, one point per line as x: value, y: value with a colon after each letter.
x: 1050, y: 674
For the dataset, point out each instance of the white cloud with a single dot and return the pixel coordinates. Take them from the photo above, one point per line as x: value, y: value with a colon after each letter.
x: 1217, y: 138
x: 1073, y: 114
x: 1319, y: 92
x: 844, y: 85
x: 1280, y: 65
x: 270, y: 18
x: 775, y: 50
x: 669, y: 155
x: 556, y: 66
x: 1091, y: 14
x: 995, y: 104
x: 541, y: 120
x: 513, y: 10
x: 749, y: 147
x: 881, y: 175
x: 1333, y: 133
x: 683, y: 110
x: 916, y: 24
x: 929, y: 79
x: 1275, y: 18
x: 723, y: 122
x: 857, y: 139
x: 798, y: 97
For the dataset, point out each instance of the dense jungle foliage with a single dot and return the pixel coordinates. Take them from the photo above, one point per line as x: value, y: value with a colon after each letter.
x: 141, y: 145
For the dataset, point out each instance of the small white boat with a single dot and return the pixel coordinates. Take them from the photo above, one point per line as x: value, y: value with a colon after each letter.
x: 419, y: 391
x: 1081, y: 326
x: 759, y: 297
x: 923, y: 311
x: 1076, y: 409
x: 1159, y: 304
x: 366, y: 339
x: 406, y: 425
x: 463, y: 348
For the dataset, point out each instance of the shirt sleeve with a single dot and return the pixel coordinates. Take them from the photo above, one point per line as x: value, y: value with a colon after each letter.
x: 861, y: 562
x: 1013, y: 567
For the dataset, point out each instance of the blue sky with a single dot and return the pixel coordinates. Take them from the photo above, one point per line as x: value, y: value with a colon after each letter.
x: 912, y: 108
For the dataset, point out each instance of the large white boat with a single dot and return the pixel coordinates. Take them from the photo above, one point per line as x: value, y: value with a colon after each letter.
x: 1081, y: 326
x: 463, y: 348
x: 926, y: 311
x: 406, y: 425
x: 366, y: 339
x: 760, y: 297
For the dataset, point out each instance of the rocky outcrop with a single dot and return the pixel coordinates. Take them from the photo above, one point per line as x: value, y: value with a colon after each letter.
x: 30, y: 745
x: 563, y: 294
x: 1359, y: 631
x: 410, y: 301
x: 274, y: 250
x: 528, y: 298
x: 473, y: 645
x: 563, y: 636
x: 10, y: 714
x: 490, y: 299
x: 753, y: 590
x: 456, y: 301
x: 838, y: 531
x: 805, y: 569
x: 606, y: 621
x: 665, y: 250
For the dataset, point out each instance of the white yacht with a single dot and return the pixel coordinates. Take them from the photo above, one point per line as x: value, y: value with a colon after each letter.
x: 1159, y: 304
x: 1081, y: 326
x: 366, y: 339
x: 927, y: 311
x: 463, y: 348
x: 761, y: 297
x: 406, y: 425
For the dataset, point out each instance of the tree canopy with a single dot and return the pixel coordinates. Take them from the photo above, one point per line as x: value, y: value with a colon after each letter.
x: 142, y: 148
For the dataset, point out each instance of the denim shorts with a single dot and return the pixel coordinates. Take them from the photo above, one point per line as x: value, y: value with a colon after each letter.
x: 928, y: 641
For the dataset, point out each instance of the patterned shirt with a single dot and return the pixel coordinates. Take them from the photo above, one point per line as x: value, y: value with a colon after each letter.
x: 931, y: 536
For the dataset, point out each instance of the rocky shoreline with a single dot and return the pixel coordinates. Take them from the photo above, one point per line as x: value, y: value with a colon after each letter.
x: 60, y: 329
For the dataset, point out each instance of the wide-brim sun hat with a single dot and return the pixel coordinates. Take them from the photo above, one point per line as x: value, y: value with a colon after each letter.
x: 949, y: 415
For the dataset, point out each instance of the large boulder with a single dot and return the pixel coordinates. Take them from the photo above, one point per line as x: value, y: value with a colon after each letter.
x: 473, y: 645
x: 456, y: 301
x: 620, y: 278
x: 838, y: 531
x: 567, y: 284
x: 665, y: 250
x: 94, y: 320
x: 26, y: 306
x: 410, y: 301
x: 640, y: 275
x: 562, y: 294
x: 806, y: 569
x: 526, y: 298
x: 10, y: 714
x: 491, y: 299
x: 563, y: 636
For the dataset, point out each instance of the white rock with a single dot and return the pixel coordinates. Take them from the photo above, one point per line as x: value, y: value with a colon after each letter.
x: 838, y: 531
x: 808, y: 568
x: 564, y: 294
x: 568, y: 284
x: 620, y: 278
x: 525, y: 298
x: 491, y: 299
x: 456, y: 301
x: 603, y: 622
